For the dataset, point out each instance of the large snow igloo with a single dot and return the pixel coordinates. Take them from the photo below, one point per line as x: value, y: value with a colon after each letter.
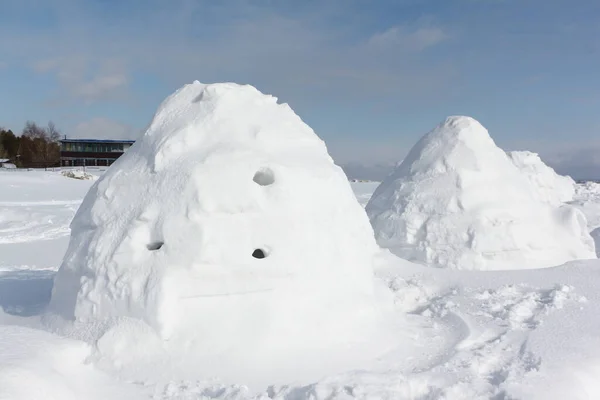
x: 228, y: 227
x: 458, y: 201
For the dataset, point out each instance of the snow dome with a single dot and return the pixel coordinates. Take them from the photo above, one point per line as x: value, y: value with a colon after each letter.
x: 458, y: 201
x: 229, y: 230
x: 549, y: 186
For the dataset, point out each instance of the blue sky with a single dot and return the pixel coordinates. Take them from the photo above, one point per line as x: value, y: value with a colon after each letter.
x: 370, y: 77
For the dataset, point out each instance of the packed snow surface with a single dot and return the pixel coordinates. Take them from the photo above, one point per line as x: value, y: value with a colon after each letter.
x: 38, y: 365
x: 36, y: 209
x: 458, y: 201
x: 228, y: 230
x: 549, y: 186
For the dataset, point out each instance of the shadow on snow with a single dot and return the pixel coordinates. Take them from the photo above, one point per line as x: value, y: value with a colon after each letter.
x: 25, y: 293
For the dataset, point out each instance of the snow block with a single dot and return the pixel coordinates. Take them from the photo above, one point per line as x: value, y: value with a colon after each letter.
x: 228, y: 229
x: 458, y: 201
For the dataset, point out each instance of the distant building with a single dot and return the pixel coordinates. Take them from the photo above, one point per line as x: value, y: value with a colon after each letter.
x: 91, y: 152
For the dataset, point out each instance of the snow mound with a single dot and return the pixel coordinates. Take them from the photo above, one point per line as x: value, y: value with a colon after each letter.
x: 38, y: 365
x: 551, y: 187
x: 78, y: 174
x: 228, y: 229
x: 458, y: 201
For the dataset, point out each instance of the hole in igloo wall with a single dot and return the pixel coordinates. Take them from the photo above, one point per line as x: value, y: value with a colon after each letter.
x: 259, y: 253
x: 264, y: 177
x: 154, y: 246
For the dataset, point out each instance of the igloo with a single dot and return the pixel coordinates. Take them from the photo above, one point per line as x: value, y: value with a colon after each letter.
x: 458, y: 201
x: 549, y: 186
x: 228, y: 229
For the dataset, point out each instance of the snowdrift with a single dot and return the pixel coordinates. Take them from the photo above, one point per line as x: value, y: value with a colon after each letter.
x: 78, y: 174
x: 227, y: 229
x: 38, y: 365
x: 549, y: 186
x: 458, y: 201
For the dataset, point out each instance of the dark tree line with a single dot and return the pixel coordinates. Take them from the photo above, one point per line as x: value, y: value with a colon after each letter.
x: 36, y: 147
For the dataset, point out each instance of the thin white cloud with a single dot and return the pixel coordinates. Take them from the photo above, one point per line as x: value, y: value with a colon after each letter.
x: 281, y: 53
x: 45, y: 65
x: 83, y: 79
x: 104, y: 128
x: 100, y: 86
x: 302, y: 58
x: 401, y: 38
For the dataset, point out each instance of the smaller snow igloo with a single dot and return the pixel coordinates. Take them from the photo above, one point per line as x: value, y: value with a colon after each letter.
x: 550, y: 186
x: 458, y: 201
x: 228, y: 229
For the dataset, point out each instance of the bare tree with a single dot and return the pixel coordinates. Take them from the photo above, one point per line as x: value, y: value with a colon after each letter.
x: 40, y: 145
x: 52, y: 133
x: 33, y: 131
x: 52, y: 149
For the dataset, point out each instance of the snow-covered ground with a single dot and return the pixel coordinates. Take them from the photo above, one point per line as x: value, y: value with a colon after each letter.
x: 531, y: 334
x: 36, y: 208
